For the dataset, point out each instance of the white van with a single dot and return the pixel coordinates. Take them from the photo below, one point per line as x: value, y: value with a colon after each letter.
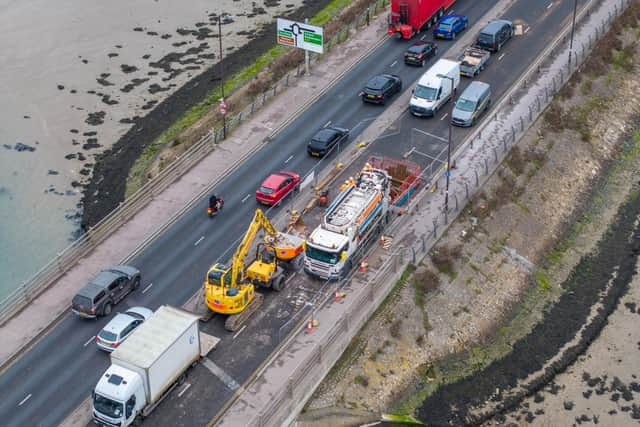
x: 432, y: 91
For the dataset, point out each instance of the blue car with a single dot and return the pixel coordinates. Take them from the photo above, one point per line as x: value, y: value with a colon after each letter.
x: 449, y: 26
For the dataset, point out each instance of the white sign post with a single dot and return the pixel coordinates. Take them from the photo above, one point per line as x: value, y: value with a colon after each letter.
x: 301, y: 35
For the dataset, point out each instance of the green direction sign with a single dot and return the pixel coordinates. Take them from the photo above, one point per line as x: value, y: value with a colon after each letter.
x: 313, y: 38
x: 300, y: 34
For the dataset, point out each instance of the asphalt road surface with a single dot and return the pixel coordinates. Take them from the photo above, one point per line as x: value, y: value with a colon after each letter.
x: 58, y: 373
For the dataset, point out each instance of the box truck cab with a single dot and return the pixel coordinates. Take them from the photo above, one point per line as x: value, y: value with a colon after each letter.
x: 434, y: 88
x: 146, y: 367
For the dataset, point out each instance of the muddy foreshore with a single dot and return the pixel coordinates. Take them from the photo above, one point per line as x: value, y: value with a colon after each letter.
x: 106, y: 188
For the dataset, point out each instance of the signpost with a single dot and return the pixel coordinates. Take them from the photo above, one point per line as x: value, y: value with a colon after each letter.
x: 301, y: 35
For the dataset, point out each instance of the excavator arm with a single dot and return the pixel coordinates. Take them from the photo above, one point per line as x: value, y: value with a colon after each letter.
x: 259, y: 221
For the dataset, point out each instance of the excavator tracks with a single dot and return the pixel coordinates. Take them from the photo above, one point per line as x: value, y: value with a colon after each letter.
x: 235, y: 321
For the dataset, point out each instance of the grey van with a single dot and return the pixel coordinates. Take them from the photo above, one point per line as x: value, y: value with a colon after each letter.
x: 475, y: 99
x: 105, y: 290
x: 495, y: 34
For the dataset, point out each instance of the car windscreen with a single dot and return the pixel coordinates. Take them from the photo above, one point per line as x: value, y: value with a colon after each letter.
x: 108, y: 336
x: 82, y: 301
x: 417, y: 49
x: 106, y: 406
x: 444, y: 26
x: 465, y: 105
x: 320, y: 255
x: 425, y: 92
x: 266, y: 190
x: 134, y: 315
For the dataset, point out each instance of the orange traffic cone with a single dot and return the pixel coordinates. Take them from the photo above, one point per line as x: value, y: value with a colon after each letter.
x: 363, y: 265
x: 337, y: 296
x: 309, y: 326
x: 382, y: 240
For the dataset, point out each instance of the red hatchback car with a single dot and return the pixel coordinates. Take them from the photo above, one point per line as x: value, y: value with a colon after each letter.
x: 277, y: 186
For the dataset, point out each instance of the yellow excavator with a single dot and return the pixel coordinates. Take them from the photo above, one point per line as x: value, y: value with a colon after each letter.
x: 232, y: 290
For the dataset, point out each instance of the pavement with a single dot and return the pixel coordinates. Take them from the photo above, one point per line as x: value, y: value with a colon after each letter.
x: 34, y: 322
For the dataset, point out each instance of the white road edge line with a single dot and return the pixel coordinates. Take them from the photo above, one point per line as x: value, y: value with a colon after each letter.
x: 147, y: 288
x: 246, y: 197
x: 394, y: 63
x: 500, y: 57
x: 221, y: 374
x: 89, y: 341
x: 25, y: 399
x: 238, y: 333
x: 290, y: 157
x: 444, y: 117
x: 327, y: 124
x: 423, y: 37
x: 550, y: 4
x: 198, y: 241
x: 526, y: 30
x: 186, y: 387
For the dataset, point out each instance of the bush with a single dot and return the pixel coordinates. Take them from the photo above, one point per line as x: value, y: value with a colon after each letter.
x: 443, y: 257
x: 515, y: 161
x: 424, y: 281
x: 553, y: 117
x: 363, y: 380
x: 394, y: 330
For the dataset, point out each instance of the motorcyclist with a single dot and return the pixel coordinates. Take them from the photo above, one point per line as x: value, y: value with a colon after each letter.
x: 215, y: 203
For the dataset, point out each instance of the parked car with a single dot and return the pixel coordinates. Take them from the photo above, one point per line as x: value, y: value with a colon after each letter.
x: 325, y: 139
x: 449, y: 26
x: 495, y: 34
x: 277, y: 186
x: 105, y: 290
x: 474, y: 101
x: 120, y: 327
x: 380, y: 88
x: 419, y: 52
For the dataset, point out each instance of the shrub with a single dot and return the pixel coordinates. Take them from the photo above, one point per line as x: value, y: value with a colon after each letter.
x: 363, y: 380
x: 444, y: 256
x: 515, y: 161
x: 553, y: 117
x: 424, y: 281
x: 394, y: 330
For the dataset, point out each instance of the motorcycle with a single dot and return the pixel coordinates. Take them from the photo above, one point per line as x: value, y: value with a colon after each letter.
x: 215, y: 208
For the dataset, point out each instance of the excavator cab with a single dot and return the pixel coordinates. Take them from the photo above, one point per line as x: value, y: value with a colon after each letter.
x: 265, y: 265
x: 223, y: 298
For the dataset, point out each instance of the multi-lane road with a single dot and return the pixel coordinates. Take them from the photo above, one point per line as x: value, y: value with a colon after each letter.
x: 49, y: 381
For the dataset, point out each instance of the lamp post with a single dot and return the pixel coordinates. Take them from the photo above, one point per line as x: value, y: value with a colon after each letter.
x: 223, y: 107
x: 573, y: 27
x: 447, y: 172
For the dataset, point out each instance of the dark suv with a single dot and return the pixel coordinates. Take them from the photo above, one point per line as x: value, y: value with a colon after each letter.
x: 495, y: 34
x: 108, y: 288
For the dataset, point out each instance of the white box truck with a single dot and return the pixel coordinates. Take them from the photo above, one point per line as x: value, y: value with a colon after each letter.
x: 434, y: 88
x: 146, y: 367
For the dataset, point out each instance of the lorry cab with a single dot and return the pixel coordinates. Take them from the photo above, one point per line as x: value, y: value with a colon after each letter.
x: 120, y: 398
x: 434, y: 88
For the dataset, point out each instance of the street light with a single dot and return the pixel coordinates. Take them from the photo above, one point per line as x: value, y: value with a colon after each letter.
x: 448, y: 168
x: 222, y: 103
x: 573, y: 27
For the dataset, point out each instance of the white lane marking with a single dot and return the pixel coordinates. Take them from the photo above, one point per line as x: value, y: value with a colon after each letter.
x: 290, y: 157
x: 222, y: 375
x: 550, y: 4
x: 186, y: 387
x: 246, y: 197
x: 25, y: 399
x: 198, y: 241
x: 444, y: 117
x: 450, y: 12
x: 423, y: 37
x: 147, y: 288
x: 394, y: 63
x: 238, y: 333
x: 327, y: 124
x: 89, y: 341
x: 526, y: 30
x: 500, y: 57
x: 430, y: 134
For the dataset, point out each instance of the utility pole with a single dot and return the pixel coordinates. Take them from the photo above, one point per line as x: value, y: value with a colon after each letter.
x: 223, y: 106
x: 447, y: 171
x: 573, y: 27
x: 306, y: 55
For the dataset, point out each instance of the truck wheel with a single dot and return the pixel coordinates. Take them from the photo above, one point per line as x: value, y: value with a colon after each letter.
x: 107, y: 309
x: 278, y: 284
x: 137, y: 421
x: 182, y: 378
x: 453, y: 35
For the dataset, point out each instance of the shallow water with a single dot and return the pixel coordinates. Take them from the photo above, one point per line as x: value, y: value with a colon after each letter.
x: 63, y: 67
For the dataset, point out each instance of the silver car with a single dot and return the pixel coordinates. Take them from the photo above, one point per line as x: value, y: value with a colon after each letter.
x: 120, y: 327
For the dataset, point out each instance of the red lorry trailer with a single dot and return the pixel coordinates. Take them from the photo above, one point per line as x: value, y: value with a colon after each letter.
x: 408, y: 17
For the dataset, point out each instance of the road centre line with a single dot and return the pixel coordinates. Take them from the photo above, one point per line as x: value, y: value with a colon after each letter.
x: 290, y: 157
x: 327, y: 124
x: 246, y: 197
x: 500, y: 57
x: 423, y: 37
x: 550, y: 4
x: 394, y: 63
x: 526, y: 30
x: 25, y: 399
x: 89, y: 341
x: 222, y: 375
x: 444, y: 117
x: 198, y: 241
x: 186, y: 387
x: 238, y: 333
x: 147, y: 288
x: 430, y: 134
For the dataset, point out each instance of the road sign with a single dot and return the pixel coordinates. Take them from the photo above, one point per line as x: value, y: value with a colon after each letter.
x: 299, y: 34
x: 223, y: 107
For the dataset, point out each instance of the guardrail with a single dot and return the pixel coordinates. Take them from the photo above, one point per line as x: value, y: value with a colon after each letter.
x: 68, y: 257
x: 303, y: 380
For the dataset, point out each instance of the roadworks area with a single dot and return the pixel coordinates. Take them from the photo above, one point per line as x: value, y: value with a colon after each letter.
x: 501, y: 323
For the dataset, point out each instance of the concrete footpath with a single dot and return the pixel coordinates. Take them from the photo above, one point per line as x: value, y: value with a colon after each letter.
x: 34, y: 321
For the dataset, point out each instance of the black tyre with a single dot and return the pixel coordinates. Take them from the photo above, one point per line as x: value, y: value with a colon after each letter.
x: 182, y: 378
x: 278, y: 284
x: 136, y: 283
x: 424, y: 61
x: 107, y: 309
x: 453, y: 35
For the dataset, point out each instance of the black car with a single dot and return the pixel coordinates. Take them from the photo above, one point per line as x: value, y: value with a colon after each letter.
x: 419, y: 52
x: 380, y: 88
x: 105, y: 290
x: 325, y: 139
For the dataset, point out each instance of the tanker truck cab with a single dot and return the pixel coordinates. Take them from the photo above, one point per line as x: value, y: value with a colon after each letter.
x: 120, y: 398
x: 434, y: 88
x: 332, y: 254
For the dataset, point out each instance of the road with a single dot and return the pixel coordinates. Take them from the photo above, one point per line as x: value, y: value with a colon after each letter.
x: 58, y: 373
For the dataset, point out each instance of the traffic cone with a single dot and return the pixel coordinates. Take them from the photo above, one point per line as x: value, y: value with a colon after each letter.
x: 363, y: 265
x: 382, y: 240
x: 309, y: 326
x: 337, y: 296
